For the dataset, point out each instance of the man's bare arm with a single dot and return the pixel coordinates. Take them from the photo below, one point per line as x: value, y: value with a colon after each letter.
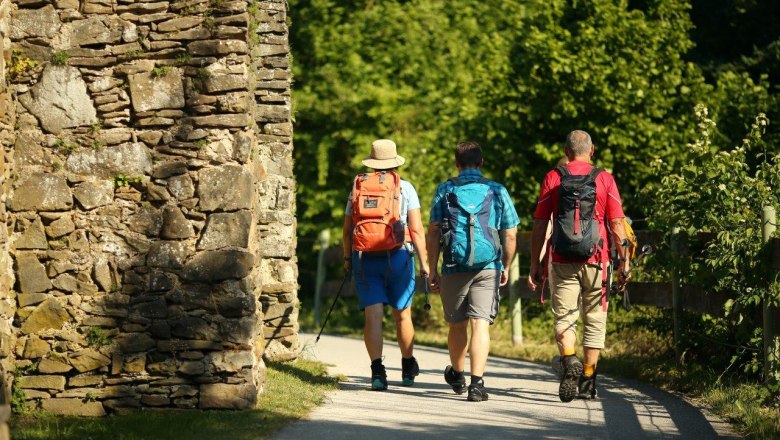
x: 538, y: 236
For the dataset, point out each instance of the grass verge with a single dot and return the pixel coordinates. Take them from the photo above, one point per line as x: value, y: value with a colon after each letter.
x: 293, y: 389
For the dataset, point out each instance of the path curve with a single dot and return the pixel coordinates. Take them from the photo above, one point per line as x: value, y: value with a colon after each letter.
x: 523, y: 404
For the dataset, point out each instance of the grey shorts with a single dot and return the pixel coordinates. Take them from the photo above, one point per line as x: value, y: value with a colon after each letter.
x: 470, y: 295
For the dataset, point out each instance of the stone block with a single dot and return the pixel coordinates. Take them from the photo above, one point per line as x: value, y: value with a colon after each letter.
x: 43, y: 382
x: 217, y: 47
x: 133, y: 160
x: 169, y: 254
x: 135, y: 342
x: 101, y: 30
x: 60, y: 100
x: 225, y: 396
x: 155, y: 400
x: 239, y: 331
x: 217, y: 83
x: 88, y: 359
x: 227, y: 188
x: 232, y: 120
x: 225, y: 230
x: 60, y: 227
x: 51, y: 366
x: 163, y: 170
x: 214, y: 266
x: 191, y: 368
x: 30, y: 299
x: 85, y: 380
x: 178, y: 24
x: 181, y: 187
x: 175, y: 225
x: 29, y: 23
x: 151, y: 92
x: 102, y: 273
x: 194, y: 328
x: 231, y: 361
x: 32, y: 237
x: 35, y: 347
x: 42, y: 192
x: 91, y: 195
x: 156, y: 309
x: 147, y: 221
x: 48, y: 315
x: 73, y: 407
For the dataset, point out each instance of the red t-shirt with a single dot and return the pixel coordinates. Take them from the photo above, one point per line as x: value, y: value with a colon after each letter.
x: 608, y: 204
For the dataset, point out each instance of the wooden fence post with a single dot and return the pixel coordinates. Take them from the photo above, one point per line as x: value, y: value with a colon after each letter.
x: 771, y: 323
x: 324, y: 240
x: 514, y: 301
x: 676, y: 294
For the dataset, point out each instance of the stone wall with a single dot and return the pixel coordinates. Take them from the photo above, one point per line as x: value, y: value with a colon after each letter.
x: 7, y: 300
x: 150, y: 203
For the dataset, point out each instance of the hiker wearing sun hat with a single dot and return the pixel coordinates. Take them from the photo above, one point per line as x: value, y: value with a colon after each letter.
x: 382, y: 230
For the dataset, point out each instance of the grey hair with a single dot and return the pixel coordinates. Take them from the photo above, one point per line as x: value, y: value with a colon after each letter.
x: 579, y: 143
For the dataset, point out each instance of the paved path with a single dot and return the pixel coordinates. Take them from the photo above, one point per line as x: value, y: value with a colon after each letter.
x: 523, y: 404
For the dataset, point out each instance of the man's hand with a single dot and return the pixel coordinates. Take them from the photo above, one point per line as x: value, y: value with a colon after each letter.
x: 535, y: 277
x: 624, y: 275
x: 347, y: 264
x: 504, y: 277
x: 426, y: 270
x: 434, y: 281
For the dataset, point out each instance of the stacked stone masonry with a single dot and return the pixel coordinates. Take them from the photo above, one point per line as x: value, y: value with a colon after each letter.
x: 147, y: 251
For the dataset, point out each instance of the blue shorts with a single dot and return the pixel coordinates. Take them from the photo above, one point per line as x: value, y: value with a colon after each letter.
x: 383, y: 279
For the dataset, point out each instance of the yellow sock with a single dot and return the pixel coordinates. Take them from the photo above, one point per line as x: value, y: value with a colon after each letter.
x: 568, y: 352
x: 588, y: 370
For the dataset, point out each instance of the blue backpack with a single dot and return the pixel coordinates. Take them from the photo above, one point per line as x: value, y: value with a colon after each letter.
x: 468, y: 236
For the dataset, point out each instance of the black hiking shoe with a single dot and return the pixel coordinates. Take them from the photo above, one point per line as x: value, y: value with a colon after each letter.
x: 409, y: 369
x: 572, y: 370
x: 477, y: 392
x: 586, y: 388
x: 378, y: 377
x: 456, y: 380
x: 557, y: 366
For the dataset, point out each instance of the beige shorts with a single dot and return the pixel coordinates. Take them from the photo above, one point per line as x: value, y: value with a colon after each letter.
x: 467, y: 295
x: 576, y: 291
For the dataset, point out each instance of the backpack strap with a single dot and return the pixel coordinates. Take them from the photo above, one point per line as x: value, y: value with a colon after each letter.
x: 563, y: 170
x: 594, y: 172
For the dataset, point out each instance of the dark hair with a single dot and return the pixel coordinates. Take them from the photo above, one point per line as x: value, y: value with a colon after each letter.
x: 468, y: 154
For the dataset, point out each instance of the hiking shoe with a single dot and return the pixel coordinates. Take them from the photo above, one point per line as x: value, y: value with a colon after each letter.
x: 572, y: 370
x: 557, y: 366
x: 409, y: 369
x: 378, y: 377
x: 586, y: 388
x: 456, y: 380
x: 477, y: 392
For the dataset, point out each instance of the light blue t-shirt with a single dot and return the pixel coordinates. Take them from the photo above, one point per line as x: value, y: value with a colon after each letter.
x: 409, y: 200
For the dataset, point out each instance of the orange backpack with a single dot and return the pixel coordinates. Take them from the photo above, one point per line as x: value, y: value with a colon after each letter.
x: 376, y: 212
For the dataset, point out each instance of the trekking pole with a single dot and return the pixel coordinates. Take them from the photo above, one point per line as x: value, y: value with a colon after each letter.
x: 427, y: 305
x: 645, y: 251
x: 347, y: 275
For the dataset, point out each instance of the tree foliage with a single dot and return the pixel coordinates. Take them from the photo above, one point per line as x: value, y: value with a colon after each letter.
x: 718, y: 191
x: 516, y: 76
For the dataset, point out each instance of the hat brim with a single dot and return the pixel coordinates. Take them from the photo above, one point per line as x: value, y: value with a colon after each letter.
x: 384, y: 164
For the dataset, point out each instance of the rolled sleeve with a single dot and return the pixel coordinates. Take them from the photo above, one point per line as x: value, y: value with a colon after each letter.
x: 437, y: 206
x: 509, y: 217
x: 614, y: 202
x: 544, y: 206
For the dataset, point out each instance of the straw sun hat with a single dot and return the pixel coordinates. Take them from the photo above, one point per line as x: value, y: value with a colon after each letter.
x: 383, y: 155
